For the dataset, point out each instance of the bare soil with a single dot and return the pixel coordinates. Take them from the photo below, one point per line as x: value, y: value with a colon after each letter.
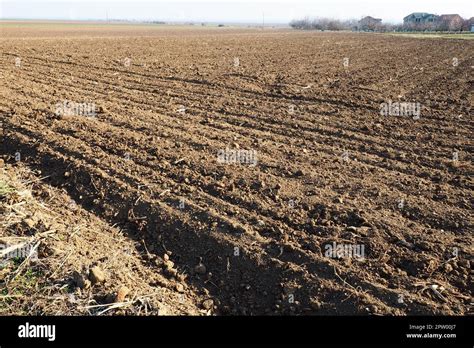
x: 234, y: 238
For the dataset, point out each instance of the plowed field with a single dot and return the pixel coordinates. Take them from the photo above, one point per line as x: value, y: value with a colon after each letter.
x: 329, y: 168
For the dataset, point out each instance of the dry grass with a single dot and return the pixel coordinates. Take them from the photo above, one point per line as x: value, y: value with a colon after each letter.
x: 20, y: 275
x: 416, y: 35
x: 5, y: 189
x: 40, y: 281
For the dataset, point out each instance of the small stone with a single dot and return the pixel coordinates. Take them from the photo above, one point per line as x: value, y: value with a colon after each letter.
x: 67, y: 174
x: 338, y: 200
x: 299, y: 173
x: 96, y: 275
x: 208, y: 304
x: 431, y: 265
x: 259, y: 185
x: 122, y: 293
x: 200, y: 269
x: 179, y: 287
x: 80, y: 281
x: 169, y: 264
x: 448, y: 268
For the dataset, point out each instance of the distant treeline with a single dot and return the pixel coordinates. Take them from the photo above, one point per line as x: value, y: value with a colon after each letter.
x: 336, y: 24
x: 323, y: 24
x: 440, y: 24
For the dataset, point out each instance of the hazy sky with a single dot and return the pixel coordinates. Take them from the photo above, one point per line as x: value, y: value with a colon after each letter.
x: 245, y: 11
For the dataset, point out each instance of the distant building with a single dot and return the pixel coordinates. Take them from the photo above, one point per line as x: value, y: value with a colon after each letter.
x: 428, y: 21
x: 369, y: 23
x: 468, y: 25
x: 449, y: 22
x: 420, y: 17
x: 420, y: 21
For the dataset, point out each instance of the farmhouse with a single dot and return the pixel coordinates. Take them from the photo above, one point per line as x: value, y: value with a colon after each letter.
x: 420, y: 18
x: 420, y: 21
x: 369, y: 23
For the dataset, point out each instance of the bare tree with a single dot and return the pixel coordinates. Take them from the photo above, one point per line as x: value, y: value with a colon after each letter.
x: 323, y: 24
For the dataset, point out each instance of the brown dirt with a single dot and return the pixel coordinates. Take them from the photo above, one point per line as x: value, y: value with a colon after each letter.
x: 260, y: 231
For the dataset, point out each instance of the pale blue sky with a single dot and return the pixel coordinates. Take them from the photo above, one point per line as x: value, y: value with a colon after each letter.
x: 245, y: 11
